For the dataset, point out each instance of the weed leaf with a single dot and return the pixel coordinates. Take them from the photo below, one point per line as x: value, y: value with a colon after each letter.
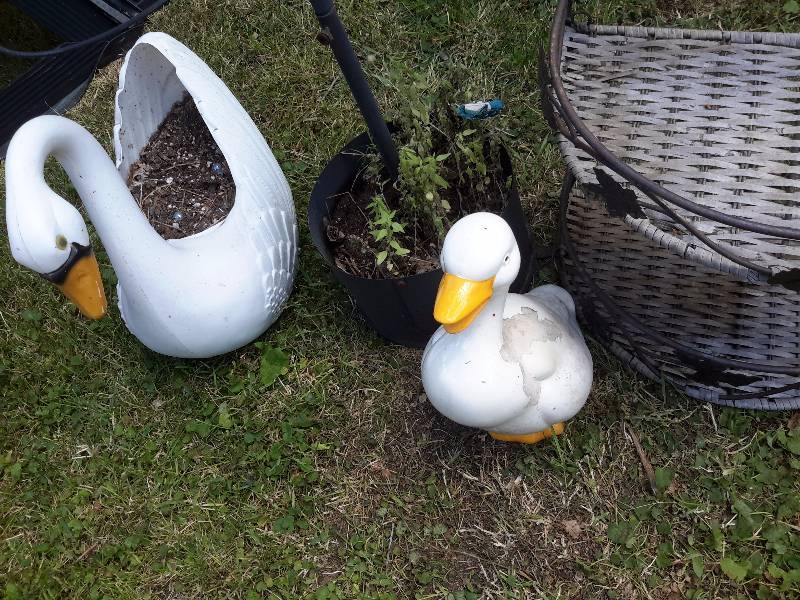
x: 698, y: 565
x: 31, y: 314
x: 663, y: 478
x: 224, y: 417
x: 619, y: 532
x: 274, y: 363
x: 733, y: 569
x: 284, y: 524
x: 201, y: 428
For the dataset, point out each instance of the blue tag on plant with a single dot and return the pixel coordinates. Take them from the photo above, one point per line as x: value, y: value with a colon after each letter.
x: 480, y: 110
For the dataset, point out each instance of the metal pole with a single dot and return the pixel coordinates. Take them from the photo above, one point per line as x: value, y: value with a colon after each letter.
x: 333, y: 33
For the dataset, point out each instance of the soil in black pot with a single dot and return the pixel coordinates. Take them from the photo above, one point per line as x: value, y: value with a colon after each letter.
x: 354, y: 248
x: 181, y: 181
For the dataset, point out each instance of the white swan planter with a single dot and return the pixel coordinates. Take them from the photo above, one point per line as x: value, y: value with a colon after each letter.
x: 515, y: 365
x: 195, y: 297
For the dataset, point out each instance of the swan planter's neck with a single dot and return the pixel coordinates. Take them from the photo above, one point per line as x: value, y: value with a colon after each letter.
x: 37, y: 216
x: 102, y: 190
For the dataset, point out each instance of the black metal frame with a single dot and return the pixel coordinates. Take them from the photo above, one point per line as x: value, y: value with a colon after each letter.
x: 563, y: 118
x: 58, y: 79
x: 334, y: 34
x: 127, y: 14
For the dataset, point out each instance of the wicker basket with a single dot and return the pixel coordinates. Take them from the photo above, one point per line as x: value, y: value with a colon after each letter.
x: 681, y: 239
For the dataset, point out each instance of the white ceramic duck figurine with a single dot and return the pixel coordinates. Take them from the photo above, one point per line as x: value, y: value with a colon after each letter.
x: 195, y: 297
x: 515, y: 365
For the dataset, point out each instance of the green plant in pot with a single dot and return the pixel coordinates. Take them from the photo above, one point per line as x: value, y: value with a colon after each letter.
x: 379, y: 211
x: 389, y: 227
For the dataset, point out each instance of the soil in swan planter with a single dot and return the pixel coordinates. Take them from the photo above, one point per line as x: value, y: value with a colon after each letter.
x: 400, y: 309
x: 181, y: 181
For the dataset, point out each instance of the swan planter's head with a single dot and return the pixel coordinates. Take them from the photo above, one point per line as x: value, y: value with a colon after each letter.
x: 194, y: 297
x: 514, y: 364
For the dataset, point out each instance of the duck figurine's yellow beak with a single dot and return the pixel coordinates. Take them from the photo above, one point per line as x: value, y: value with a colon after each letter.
x: 459, y: 301
x: 79, y: 279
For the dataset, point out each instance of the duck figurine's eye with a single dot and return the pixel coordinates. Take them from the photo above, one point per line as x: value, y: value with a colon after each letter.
x: 506, y: 259
x: 61, y: 242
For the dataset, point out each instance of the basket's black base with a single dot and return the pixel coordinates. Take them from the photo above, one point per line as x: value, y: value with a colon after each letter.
x: 401, y: 309
x: 55, y: 83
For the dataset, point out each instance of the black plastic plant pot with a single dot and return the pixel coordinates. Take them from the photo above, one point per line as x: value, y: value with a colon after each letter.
x: 399, y: 309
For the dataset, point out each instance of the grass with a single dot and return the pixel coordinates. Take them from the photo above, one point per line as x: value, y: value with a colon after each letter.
x: 124, y: 474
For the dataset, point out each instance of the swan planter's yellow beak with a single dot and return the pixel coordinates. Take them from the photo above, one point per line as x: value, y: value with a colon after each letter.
x: 79, y: 280
x: 459, y: 301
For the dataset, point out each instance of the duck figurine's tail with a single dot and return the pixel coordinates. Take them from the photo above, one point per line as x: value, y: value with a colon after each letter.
x: 558, y: 299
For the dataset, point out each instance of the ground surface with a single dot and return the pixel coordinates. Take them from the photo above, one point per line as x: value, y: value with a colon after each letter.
x: 128, y: 475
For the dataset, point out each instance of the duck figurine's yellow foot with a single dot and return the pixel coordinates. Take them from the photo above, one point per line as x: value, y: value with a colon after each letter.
x: 529, y: 438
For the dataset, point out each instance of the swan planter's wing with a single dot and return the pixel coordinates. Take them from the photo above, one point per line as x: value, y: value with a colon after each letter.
x: 194, y: 297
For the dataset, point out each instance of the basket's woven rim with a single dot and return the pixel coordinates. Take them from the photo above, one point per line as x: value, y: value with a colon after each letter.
x: 685, y: 247
x: 771, y: 38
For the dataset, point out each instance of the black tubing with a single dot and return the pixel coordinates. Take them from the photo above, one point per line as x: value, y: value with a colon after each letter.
x: 335, y: 34
x: 608, y: 158
x: 100, y: 37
